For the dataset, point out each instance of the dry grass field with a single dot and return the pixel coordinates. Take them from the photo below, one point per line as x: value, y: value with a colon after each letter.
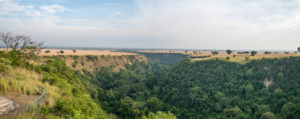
x: 234, y: 57
x: 241, y: 58
x: 82, y: 52
x: 162, y: 51
x: 79, y: 52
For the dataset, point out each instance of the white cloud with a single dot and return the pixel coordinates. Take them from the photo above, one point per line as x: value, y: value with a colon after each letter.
x: 116, y: 13
x: 222, y: 24
x: 216, y: 24
x: 53, y: 8
x: 7, y: 7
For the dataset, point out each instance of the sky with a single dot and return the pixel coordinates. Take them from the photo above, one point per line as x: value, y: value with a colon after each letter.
x: 175, y: 24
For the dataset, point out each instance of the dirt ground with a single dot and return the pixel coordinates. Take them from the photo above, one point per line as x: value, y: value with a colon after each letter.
x: 21, y: 99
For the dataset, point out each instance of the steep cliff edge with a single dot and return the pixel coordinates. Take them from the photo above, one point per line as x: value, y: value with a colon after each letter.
x: 92, y: 63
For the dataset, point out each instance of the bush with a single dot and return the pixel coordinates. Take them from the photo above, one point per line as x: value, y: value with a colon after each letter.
x: 247, y: 58
x: 74, y: 64
x: 5, y: 66
x: 52, y: 79
x: 92, y: 58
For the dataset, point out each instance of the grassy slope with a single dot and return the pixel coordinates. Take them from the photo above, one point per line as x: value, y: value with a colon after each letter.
x: 66, y: 96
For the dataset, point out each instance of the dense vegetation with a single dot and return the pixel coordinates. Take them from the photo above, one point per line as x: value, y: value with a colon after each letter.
x: 201, y: 89
x: 164, y: 58
x: 66, y: 96
x: 266, y: 88
x: 216, y: 88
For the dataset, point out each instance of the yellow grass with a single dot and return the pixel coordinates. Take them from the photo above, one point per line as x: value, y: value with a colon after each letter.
x: 83, y: 52
x: 25, y: 82
x: 240, y: 58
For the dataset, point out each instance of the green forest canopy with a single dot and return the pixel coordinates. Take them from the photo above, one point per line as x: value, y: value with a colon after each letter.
x: 201, y: 89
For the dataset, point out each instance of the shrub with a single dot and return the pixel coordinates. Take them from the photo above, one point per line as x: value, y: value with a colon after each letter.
x: 214, y: 52
x: 253, y: 53
x: 5, y: 65
x: 92, y: 58
x: 247, y: 58
x: 52, y: 79
x: 74, y: 64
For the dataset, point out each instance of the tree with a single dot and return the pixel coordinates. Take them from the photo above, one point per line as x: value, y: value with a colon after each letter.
x: 6, y: 38
x: 267, y: 52
x: 219, y: 96
x: 61, y: 52
x: 253, y: 53
x: 233, y: 112
x: 286, y: 52
x: 74, y: 51
x: 298, y: 49
x: 288, y: 110
x: 261, y: 109
x: 214, y: 52
x: 228, y: 52
x: 227, y: 58
x: 247, y: 58
x: 160, y: 115
x: 268, y: 115
x: 154, y: 104
x: 21, y: 44
x: 47, y: 51
x: 248, y: 89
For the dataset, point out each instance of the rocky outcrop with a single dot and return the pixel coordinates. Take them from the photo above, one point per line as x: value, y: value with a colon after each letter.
x: 7, y: 106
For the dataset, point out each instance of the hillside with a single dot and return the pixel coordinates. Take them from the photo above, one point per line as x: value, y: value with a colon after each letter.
x: 265, y: 88
x: 153, y: 86
x: 66, y: 95
x: 94, y: 62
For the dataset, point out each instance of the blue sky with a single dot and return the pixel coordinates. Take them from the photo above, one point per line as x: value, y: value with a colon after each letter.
x: 199, y: 24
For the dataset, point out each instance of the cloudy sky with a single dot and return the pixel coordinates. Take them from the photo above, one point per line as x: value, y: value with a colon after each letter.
x: 192, y: 24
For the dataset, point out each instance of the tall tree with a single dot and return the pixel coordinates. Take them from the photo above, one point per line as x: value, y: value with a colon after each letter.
x: 22, y: 43
x: 228, y: 52
x: 268, y: 115
x: 288, y: 110
x: 6, y: 38
x: 214, y: 52
x: 253, y: 53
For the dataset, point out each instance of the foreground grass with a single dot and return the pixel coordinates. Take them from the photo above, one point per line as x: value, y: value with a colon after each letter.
x: 66, y: 96
x: 26, y: 82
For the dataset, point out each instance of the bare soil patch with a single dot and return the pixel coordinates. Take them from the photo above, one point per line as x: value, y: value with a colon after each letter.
x: 19, y: 98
